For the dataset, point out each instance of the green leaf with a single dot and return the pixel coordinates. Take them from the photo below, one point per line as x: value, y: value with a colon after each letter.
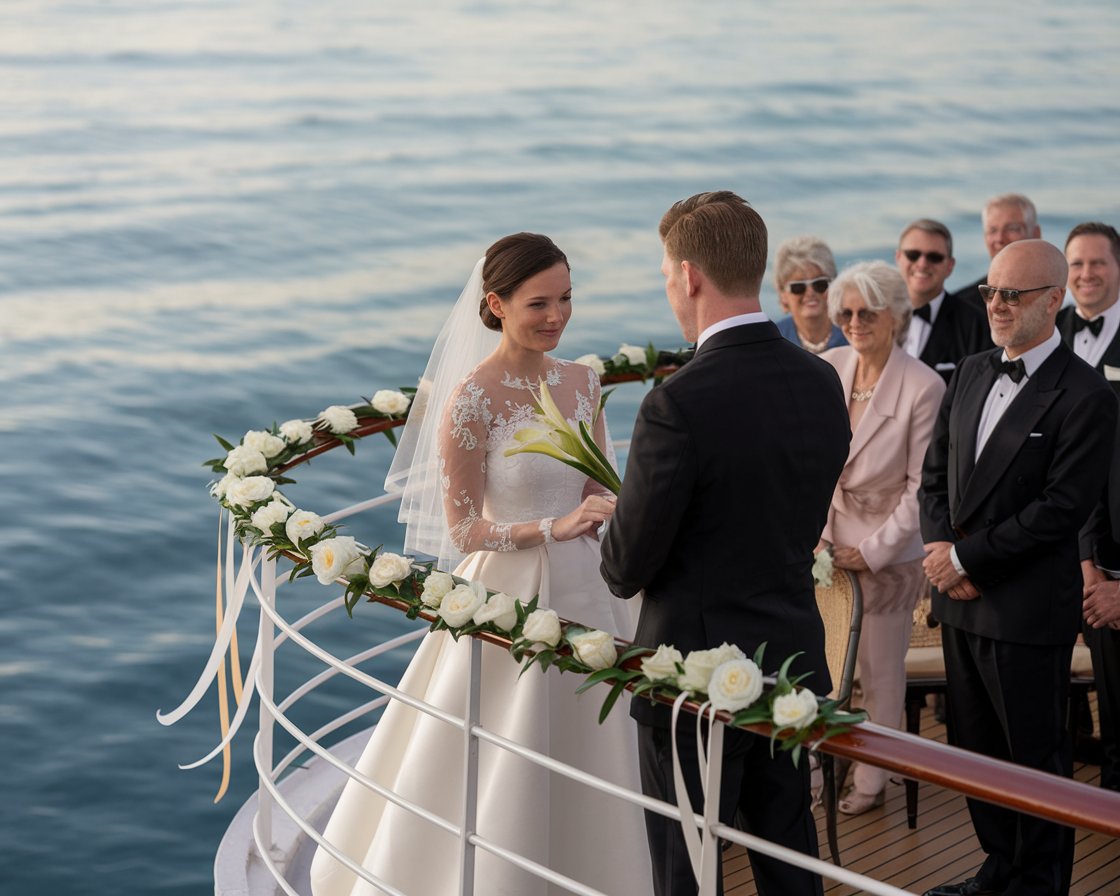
x: 224, y: 443
x: 610, y: 700
x: 391, y: 436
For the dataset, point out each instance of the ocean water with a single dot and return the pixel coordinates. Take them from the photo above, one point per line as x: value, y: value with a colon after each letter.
x: 214, y: 216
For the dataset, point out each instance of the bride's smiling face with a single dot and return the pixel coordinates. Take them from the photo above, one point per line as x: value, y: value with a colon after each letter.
x: 534, y: 317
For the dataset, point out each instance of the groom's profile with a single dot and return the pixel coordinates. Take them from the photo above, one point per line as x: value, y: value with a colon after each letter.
x: 731, y: 470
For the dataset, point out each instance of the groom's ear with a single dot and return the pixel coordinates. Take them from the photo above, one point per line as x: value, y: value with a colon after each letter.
x: 692, y: 278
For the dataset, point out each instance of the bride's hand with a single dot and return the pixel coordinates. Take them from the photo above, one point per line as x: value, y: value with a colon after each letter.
x: 592, y: 512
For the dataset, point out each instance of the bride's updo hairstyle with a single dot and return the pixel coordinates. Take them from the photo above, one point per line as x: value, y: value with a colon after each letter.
x: 510, y: 262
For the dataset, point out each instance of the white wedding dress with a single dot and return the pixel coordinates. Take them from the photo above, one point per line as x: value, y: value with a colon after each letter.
x: 595, y: 839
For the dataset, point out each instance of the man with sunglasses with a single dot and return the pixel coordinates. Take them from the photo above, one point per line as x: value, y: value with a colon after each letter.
x: 943, y: 329
x: 1018, y: 455
x: 1006, y: 218
x: 1091, y: 327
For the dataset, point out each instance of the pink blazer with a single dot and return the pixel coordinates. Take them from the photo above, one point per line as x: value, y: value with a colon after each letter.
x: 875, y: 505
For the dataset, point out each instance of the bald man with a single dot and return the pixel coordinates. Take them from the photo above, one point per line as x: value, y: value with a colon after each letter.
x: 1018, y: 456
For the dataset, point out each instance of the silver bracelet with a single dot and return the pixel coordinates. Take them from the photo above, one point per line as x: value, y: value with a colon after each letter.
x: 545, y: 526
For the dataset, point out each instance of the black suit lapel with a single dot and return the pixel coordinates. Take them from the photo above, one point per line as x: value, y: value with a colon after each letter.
x: 1111, y: 355
x: 1065, y: 326
x: 972, y: 392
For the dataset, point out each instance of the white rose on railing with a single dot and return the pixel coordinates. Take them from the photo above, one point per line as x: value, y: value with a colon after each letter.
x: 389, y: 401
x: 249, y: 491
x: 635, y: 354
x: 275, y: 511
x: 461, y: 602
x: 662, y: 665
x: 436, y: 588
x: 542, y: 627
x: 296, y: 431
x: 219, y: 488
x: 245, y: 461
x: 303, y: 524
x: 264, y: 442
x: 338, y: 419
x: 735, y: 685
x: 334, y: 557
x: 699, y: 665
x: 594, y: 362
x: 795, y: 709
x: 595, y: 649
x: 388, y: 569
x: 500, y: 609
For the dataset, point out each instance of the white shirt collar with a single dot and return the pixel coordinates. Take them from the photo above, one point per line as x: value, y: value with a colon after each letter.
x: 738, y: 320
x: 1034, y: 358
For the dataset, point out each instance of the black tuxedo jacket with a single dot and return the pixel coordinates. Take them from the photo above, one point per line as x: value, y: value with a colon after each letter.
x: 959, y: 330
x: 1111, y: 355
x: 728, y: 483
x: 970, y: 295
x: 1015, y: 511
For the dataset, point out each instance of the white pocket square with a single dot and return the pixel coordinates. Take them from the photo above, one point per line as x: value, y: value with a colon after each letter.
x: 1112, y: 374
x: 949, y: 365
x: 1036, y: 435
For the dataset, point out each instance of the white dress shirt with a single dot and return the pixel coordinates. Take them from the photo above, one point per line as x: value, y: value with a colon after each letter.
x: 1091, y: 348
x: 751, y: 317
x: 918, y: 334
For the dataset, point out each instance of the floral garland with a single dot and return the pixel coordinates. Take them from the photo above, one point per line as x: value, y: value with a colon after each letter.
x: 725, y: 677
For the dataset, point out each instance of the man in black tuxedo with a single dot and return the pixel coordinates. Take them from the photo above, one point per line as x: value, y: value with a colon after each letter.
x: 1005, y: 219
x: 1091, y: 327
x: 731, y: 470
x: 943, y: 329
x: 1017, y: 458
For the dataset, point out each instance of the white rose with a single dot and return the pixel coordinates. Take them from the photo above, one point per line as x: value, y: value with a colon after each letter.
x: 264, y: 442
x: 275, y: 511
x: 303, y: 524
x: 662, y: 666
x: 500, y: 609
x: 219, y: 488
x: 296, y: 431
x: 334, y: 557
x: 388, y: 401
x: 735, y: 685
x: 338, y: 419
x: 594, y: 362
x: 822, y: 568
x: 436, y: 587
x: 460, y: 603
x: 595, y: 649
x: 542, y: 627
x: 794, y: 710
x: 245, y: 461
x: 389, y: 568
x: 249, y: 491
x: 635, y: 354
x: 699, y: 665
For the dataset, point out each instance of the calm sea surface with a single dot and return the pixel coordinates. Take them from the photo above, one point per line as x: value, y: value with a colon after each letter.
x: 214, y: 216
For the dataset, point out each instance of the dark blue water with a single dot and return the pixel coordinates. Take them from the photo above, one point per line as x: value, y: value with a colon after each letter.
x: 214, y: 216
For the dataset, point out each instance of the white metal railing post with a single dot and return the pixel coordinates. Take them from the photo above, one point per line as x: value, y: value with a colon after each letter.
x: 265, y: 644
x: 470, y: 769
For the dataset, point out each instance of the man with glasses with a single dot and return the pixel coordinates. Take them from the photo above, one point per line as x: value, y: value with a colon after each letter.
x: 1018, y: 456
x: 1091, y: 327
x: 943, y: 330
x: 1006, y: 218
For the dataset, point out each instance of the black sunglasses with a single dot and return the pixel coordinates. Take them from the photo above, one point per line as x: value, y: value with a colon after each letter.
x: 1010, y: 296
x: 865, y: 315
x: 798, y: 287
x: 931, y: 257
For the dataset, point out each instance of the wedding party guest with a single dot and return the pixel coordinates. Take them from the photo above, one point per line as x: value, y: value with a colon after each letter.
x: 1091, y: 327
x: 873, y: 521
x: 803, y: 268
x: 527, y: 526
x: 727, y: 487
x: 1005, y: 218
x: 1018, y: 456
x: 943, y: 329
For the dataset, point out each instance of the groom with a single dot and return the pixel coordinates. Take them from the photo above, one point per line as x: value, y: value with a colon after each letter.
x: 730, y: 475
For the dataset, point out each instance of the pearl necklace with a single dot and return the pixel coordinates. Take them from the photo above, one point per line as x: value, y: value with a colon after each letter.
x: 863, y: 394
x: 815, y: 347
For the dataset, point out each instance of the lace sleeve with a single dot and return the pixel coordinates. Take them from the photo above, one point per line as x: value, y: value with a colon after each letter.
x: 463, y: 439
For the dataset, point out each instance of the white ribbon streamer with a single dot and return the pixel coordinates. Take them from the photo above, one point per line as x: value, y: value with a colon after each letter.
x: 703, y: 851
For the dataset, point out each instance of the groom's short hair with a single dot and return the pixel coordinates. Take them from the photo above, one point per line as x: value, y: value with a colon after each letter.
x: 722, y: 235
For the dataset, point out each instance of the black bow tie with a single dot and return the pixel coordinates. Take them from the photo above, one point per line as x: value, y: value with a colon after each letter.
x: 923, y: 313
x: 1015, y: 369
x: 1095, y: 325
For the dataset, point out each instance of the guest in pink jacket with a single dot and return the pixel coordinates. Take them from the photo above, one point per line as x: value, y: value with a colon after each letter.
x: 873, y: 522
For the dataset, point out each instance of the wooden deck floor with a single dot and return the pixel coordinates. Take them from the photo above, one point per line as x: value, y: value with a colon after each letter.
x: 943, y: 848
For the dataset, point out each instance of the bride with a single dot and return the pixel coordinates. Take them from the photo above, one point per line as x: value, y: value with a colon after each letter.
x: 527, y: 525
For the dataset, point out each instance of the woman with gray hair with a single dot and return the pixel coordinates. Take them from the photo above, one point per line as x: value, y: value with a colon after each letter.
x: 803, y: 268
x: 872, y: 526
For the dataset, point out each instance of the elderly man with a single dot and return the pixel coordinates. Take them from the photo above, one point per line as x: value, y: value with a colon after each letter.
x: 1091, y: 327
x: 943, y: 329
x: 1018, y: 456
x: 1006, y: 218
